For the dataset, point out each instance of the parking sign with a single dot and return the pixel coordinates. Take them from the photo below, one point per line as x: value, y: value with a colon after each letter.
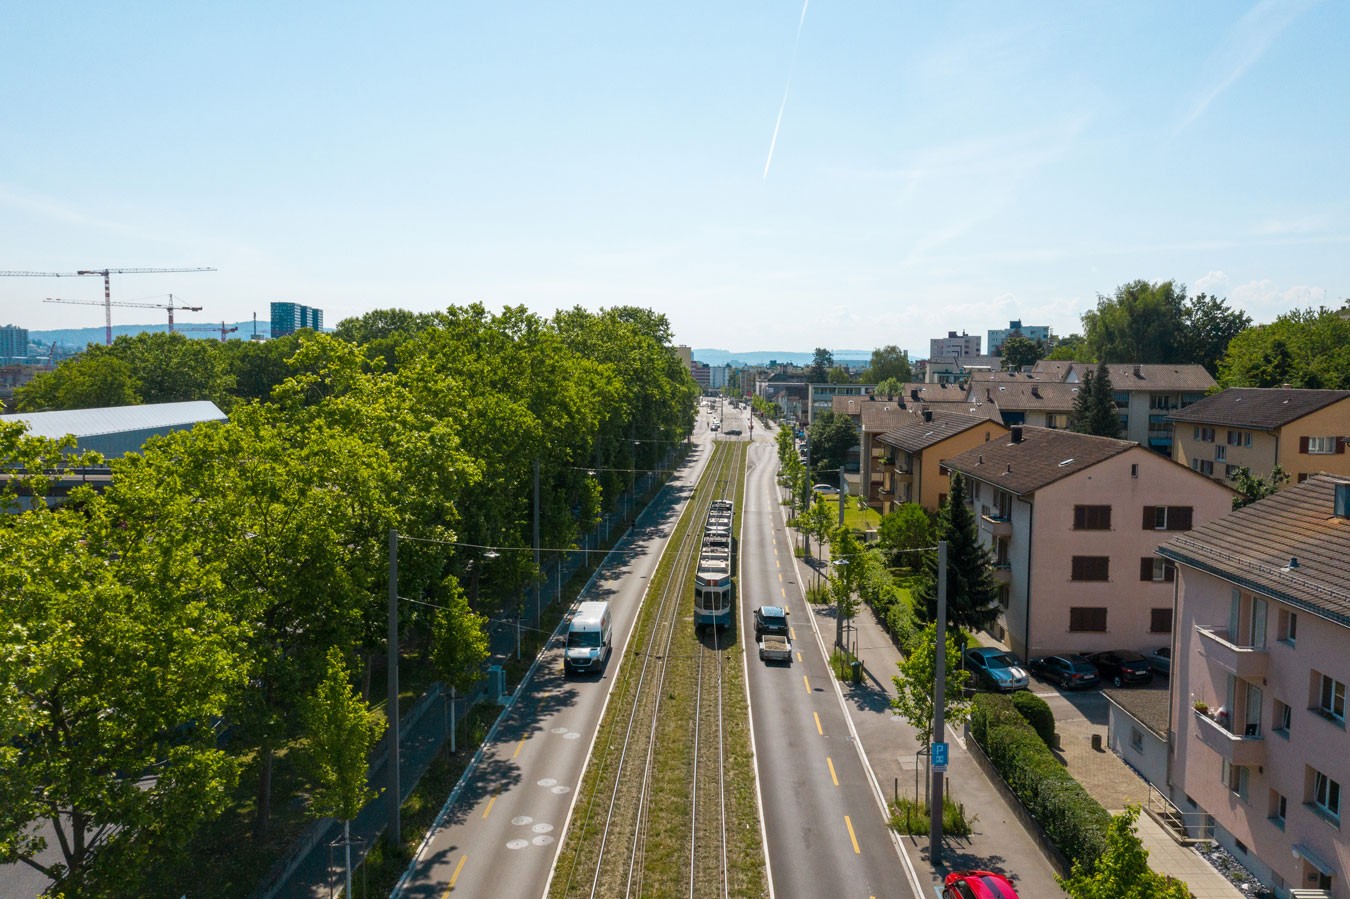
x: 938, y: 753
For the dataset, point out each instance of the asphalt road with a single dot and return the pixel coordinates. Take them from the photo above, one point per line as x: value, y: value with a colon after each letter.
x: 502, y: 832
x: 823, y: 816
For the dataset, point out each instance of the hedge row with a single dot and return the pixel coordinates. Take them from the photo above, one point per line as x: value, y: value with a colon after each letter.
x: 1075, y: 822
x: 1037, y: 713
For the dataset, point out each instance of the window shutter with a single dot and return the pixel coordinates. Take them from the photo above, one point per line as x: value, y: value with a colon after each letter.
x: 1079, y: 517
x: 1146, y: 568
x: 1303, y: 444
x: 1149, y: 515
x: 1340, y: 446
x: 1169, y: 572
x: 1179, y: 518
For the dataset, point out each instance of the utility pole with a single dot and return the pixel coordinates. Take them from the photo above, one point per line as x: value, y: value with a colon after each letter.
x: 536, y: 542
x: 392, y: 835
x: 939, y: 710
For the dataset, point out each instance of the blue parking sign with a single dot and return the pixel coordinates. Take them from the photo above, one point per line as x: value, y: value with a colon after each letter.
x: 938, y: 754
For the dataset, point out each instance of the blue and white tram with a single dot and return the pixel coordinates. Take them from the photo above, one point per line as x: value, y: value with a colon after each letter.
x: 712, y: 577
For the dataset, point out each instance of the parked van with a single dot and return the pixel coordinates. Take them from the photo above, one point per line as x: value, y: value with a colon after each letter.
x: 589, y: 639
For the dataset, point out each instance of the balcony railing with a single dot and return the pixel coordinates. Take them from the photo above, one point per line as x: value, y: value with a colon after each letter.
x: 1003, y: 572
x: 995, y: 523
x: 1246, y: 748
x: 1247, y: 662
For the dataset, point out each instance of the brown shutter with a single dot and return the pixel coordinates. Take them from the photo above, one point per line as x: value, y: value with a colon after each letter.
x: 1340, y: 446
x: 1079, y: 516
x: 1146, y: 568
x: 1303, y: 444
x: 1169, y: 574
x: 1149, y: 515
x: 1179, y: 518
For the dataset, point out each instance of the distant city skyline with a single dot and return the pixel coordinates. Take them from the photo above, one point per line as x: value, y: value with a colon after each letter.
x: 781, y: 174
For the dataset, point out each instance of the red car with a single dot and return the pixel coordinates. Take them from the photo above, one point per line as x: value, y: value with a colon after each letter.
x: 977, y: 885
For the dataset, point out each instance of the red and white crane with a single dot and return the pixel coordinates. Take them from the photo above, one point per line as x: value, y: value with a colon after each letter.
x: 169, y: 306
x: 107, y: 303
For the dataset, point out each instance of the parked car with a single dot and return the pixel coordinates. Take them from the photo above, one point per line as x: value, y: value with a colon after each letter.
x: 1122, y: 666
x: 1160, y: 660
x: 826, y: 489
x: 977, y: 885
x: 997, y: 669
x: 732, y: 432
x: 1069, y: 670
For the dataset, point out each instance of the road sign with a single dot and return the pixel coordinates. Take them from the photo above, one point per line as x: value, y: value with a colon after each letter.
x: 938, y: 753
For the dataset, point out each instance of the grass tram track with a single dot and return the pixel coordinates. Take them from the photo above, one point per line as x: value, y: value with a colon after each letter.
x: 667, y: 806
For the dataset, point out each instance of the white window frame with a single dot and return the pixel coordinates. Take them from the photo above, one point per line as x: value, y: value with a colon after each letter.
x: 1331, y: 698
x: 1321, y: 446
x: 1326, y: 795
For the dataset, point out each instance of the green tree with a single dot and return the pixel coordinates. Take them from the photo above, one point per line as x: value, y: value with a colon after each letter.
x: 459, y: 641
x: 1094, y: 408
x: 832, y: 435
x: 971, y: 592
x: 1142, y: 322
x: 888, y: 362
x: 821, y: 363
x: 1302, y: 348
x: 1252, y: 487
x: 1210, y: 327
x: 342, y: 731
x: 914, y: 685
x: 890, y: 387
x: 1122, y: 871
x: 838, y: 375
x: 1071, y: 348
x: 1018, y: 352
x: 906, y: 528
x: 32, y: 465
x: 850, y: 567
x: 84, y: 382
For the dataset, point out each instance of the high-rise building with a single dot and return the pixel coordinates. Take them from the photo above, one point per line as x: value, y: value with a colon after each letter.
x: 13, y: 345
x: 1030, y: 332
x: 287, y: 318
x: 953, y: 345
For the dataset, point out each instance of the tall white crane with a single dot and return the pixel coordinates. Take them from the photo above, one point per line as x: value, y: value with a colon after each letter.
x: 107, y: 283
x: 169, y: 306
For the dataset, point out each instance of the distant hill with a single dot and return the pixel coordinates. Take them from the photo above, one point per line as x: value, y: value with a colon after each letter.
x: 764, y: 357
x: 79, y: 338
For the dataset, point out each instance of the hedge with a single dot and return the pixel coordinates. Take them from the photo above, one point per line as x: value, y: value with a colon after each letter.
x: 1037, y: 713
x: 1074, y: 821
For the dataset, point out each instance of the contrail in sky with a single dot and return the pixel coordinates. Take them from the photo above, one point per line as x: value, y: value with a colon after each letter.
x: 788, y: 87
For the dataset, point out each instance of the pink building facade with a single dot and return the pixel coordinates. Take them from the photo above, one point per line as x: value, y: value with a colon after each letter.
x: 1259, y: 673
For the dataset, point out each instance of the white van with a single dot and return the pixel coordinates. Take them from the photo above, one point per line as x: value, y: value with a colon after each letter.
x: 589, y: 639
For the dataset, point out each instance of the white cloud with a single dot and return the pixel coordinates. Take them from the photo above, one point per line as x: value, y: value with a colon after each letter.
x: 1265, y: 300
x: 1213, y: 283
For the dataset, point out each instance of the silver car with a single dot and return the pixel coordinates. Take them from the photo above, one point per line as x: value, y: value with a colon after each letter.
x: 997, y: 669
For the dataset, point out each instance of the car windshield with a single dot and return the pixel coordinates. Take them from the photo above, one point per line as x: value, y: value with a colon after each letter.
x: 583, y: 639
x: 1002, y: 660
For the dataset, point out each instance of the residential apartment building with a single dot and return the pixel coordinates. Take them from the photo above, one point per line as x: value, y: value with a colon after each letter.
x: 287, y: 318
x: 873, y: 416
x: 13, y: 345
x: 1145, y: 395
x: 1302, y: 431
x: 953, y: 345
x: 1072, y: 522
x: 820, y: 397
x: 1023, y: 399
x: 1259, y: 673
x: 909, y: 456
x: 1015, y: 327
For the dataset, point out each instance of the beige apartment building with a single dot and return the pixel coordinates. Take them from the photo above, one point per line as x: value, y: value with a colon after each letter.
x: 1261, y: 660
x: 911, y: 455
x: 1302, y: 431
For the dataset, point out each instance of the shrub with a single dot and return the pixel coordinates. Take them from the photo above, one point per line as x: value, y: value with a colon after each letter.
x: 1075, y: 822
x: 1037, y: 713
x: 910, y: 817
x: 900, y: 621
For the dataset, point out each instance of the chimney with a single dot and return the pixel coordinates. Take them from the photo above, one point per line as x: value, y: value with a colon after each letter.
x: 1138, y: 371
x: 1016, y: 433
x: 914, y: 393
x: 988, y: 395
x: 928, y: 415
x: 1036, y: 391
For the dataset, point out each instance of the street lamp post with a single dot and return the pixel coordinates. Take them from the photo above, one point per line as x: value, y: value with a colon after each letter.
x: 393, y: 835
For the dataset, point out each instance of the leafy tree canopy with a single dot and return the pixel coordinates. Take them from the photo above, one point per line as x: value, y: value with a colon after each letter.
x: 908, y: 527
x: 971, y: 592
x: 915, y: 683
x: 821, y: 363
x: 1019, y: 352
x: 1302, y: 348
x: 1072, y: 348
x: 832, y: 436
x: 1251, y: 487
x: 1094, y: 408
x: 1122, y: 871
x: 888, y: 363
x: 1157, y: 323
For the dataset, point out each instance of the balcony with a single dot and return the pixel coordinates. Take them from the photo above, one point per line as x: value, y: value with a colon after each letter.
x: 996, y: 524
x: 1246, y: 662
x: 1003, y: 572
x: 1238, y: 749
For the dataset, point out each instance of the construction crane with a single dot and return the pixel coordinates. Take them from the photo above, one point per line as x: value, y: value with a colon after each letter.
x: 109, y: 303
x: 107, y: 283
x: 222, y: 329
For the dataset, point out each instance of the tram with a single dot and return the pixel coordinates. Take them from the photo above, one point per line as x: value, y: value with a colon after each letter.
x: 712, y: 577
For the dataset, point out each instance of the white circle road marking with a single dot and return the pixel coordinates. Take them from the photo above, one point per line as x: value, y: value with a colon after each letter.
x: 517, y: 844
x: 542, y: 828
x: 547, y: 782
x: 542, y: 841
x: 572, y: 735
x: 521, y: 820
x: 561, y: 789
x: 558, y: 730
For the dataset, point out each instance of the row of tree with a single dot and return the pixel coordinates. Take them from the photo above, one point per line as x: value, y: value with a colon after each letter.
x: 163, y: 639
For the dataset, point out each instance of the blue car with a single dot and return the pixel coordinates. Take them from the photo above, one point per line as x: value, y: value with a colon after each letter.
x: 997, y: 669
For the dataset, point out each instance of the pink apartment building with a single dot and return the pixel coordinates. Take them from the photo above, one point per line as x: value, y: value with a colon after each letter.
x: 1073, y: 523
x: 1259, y: 673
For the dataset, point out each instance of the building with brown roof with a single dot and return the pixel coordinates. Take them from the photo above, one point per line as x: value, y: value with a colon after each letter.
x: 1072, y: 522
x: 1262, y: 632
x: 1302, y: 431
x: 1024, y: 400
x: 907, y: 467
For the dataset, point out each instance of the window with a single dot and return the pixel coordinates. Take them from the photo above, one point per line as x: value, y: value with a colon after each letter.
x: 1136, y: 738
x: 1321, y: 445
x: 1229, y: 471
x: 1091, y: 568
x: 1160, y: 620
x: 1279, y: 804
x: 1087, y: 618
x: 1234, y: 777
x: 1287, y: 627
x: 1326, y: 794
x: 1331, y: 699
x: 1169, y: 518
x: 1204, y: 435
x: 1092, y: 518
x: 1204, y: 466
x: 1283, y: 716
x: 1234, y: 438
x: 1134, y: 471
x: 1220, y: 453
x: 1152, y: 568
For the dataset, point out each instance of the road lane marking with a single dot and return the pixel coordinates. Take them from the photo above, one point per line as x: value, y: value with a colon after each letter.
x: 799, y: 656
x: 783, y: 590
x: 852, y: 836
x: 834, y: 777
x: 489, y: 805
x: 453, y: 877
x: 780, y: 575
x: 519, y: 746
x: 792, y: 633
x: 807, y: 682
x: 820, y: 730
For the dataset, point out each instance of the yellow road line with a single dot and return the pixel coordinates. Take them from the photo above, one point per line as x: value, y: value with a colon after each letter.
x: 780, y: 575
x: 799, y: 656
x: 807, y: 682
x: 792, y: 633
x: 519, y: 746
x: 820, y: 730
x: 852, y: 836
x: 453, y: 877
x: 783, y: 590
x: 488, y: 809
x: 834, y: 777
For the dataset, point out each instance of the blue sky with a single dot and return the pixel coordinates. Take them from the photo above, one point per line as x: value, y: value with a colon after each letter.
x: 934, y: 166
